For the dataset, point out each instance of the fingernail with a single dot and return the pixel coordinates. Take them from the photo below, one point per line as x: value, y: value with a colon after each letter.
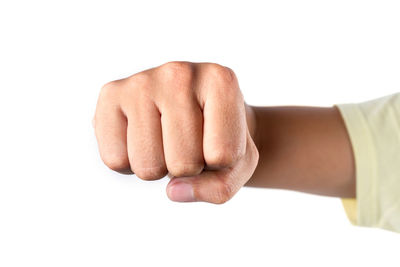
x: 181, y: 192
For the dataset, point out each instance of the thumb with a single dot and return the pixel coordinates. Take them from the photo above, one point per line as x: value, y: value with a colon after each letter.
x: 215, y: 186
x: 209, y: 186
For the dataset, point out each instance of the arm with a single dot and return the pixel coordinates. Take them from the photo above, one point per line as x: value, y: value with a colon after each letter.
x: 188, y: 120
x: 302, y: 148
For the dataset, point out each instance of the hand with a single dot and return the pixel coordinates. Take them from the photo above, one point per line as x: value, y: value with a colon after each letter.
x: 184, y: 119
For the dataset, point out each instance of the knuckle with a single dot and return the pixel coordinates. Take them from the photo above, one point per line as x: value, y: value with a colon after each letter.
x: 140, y: 80
x: 177, y: 71
x: 109, y: 88
x: 227, y: 84
x: 222, y: 73
x: 150, y: 173
x: 224, y: 157
x: 116, y: 162
x: 225, y: 191
x: 185, y: 170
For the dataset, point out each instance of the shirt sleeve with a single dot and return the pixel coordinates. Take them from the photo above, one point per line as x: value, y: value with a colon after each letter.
x: 374, y: 131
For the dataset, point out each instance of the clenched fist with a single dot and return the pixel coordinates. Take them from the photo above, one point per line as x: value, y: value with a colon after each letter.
x: 187, y: 120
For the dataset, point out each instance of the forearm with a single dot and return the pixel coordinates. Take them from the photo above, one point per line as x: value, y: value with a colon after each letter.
x: 302, y: 148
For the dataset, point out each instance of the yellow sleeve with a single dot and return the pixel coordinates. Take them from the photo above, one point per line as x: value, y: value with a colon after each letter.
x: 374, y: 130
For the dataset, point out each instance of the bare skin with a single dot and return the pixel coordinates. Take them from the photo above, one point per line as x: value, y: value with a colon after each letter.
x: 305, y: 149
x: 189, y: 120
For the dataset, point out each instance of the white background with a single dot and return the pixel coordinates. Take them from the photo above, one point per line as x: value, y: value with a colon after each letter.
x: 60, y: 206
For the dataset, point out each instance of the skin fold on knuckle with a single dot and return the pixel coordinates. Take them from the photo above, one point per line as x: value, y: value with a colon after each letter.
x: 174, y: 86
x: 176, y: 71
x: 150, y: 173
x: 221, y: 73
x: 185, y: 169
x: 136, y: 90
x: 224, y: 157
x: 111, y: 90
x: 225, y: 84
x: 116, y: 163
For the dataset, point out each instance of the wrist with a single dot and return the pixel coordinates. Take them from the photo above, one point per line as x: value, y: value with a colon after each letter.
x: 252, y: 124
